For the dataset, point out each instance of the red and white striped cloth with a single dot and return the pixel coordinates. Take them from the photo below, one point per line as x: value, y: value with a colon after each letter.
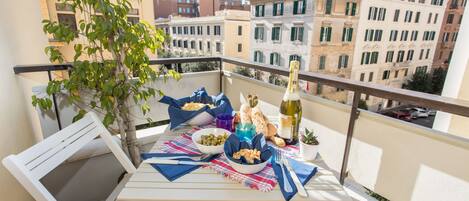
x: 264, y: 180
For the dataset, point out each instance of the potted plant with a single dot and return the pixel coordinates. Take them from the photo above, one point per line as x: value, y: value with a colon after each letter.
x: 309, y: 145
x: 111, y: 71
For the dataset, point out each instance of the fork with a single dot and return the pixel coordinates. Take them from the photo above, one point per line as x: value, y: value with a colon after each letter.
x: 278, y: 159
x: 194, y: 158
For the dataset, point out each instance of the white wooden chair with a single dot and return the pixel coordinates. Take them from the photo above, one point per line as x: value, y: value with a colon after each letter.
x: 34, y: 163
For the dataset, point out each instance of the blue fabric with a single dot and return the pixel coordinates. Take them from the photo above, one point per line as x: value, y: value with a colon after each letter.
x: 304, y: 172
x: 173, y: 172
x: 233, y: 145
x: 178, y: 116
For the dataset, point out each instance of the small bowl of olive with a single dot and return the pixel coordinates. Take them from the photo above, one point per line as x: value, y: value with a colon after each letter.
x: 210, y: 140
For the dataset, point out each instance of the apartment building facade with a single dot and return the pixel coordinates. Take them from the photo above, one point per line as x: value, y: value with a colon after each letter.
x: 59, y: 12
x: 185, y: 8
x: 395, y: 39
x: 281, y: 32
x: 449, y: 33
x: 333, y: 41
x: 225, y: 34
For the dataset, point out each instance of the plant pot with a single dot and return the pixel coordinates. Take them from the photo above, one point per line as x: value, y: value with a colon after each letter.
x: 308, y: 152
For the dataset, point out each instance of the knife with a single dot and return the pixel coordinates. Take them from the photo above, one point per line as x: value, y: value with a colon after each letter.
x: 173, y: 162
x: 301, y: 189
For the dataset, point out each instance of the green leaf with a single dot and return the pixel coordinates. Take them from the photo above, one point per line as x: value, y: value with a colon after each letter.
x: 79, y: 115
x: 108, y: 119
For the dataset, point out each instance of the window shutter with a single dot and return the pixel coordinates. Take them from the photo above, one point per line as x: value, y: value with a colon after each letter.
x: 363, y: 58
x: 347, y: 8
x: 273, y: 34
x: 346, y: 61
x: 281, y: 8
x: 300, y: 34
x: 263, y: 10
x: 271, y: 58
x: 321, y: 35
x: 303, y: 11
x: 295, y: 7
x: 354, y: 9
x: 293, y: 33
x: 350, y: 34
x: 329, y: 33
x: 344, y: 32
x: 257, y: 11
x: 274, y: 13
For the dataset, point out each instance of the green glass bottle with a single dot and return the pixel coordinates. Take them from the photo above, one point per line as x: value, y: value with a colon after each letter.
x: 290, y: 108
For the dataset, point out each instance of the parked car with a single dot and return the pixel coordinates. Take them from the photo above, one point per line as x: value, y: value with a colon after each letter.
x: 402, y: 115
x: 432, y: 112
x: 419, y: 112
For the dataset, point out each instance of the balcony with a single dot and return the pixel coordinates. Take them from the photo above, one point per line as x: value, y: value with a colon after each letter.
x: 396, y: 159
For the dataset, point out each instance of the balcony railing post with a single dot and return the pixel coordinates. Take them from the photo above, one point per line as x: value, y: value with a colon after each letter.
x: 351, y: 125
x: 220, y: 67
x: 54, y: 100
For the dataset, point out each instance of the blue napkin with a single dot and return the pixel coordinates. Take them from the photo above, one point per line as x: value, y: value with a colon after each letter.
x: 178, y: 116
x: 304, y: 172
x: 233, y: 145
x: 173, y: 172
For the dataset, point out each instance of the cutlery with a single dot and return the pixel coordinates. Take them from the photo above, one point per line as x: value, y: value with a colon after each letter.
x: 301, y: 189
x: 173, y: 162
x: 286, y: 183
x: 194, y: 158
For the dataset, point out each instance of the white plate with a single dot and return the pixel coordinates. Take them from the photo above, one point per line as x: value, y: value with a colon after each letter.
x: 245, y: 168
x: 209, y: 149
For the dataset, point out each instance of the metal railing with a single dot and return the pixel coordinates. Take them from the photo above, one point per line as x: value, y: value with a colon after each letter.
x: 449, y: 105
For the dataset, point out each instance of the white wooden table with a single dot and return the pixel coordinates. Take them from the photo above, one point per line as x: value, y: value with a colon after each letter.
x: 205, y: 184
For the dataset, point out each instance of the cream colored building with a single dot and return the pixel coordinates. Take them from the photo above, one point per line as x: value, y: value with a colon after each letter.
x: 55, y: 11
x: 394, y: 40
x: 225, y: 34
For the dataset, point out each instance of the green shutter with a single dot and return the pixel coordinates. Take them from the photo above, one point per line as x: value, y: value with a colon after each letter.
x: 321, y: 35
x: 354, y: 9
x: 256, y: 33
x: 347, y: 8
x: 344, y: 31
x: 350, y: 34
x: 274, y: 13
x: 293, y: 33
x: 263, y: 10
x: 303, y: 11
x: 271, y: 58
x: 273, y: 34
x: 257, y: 11
x: 363, y: 58
x: 329, y: 33
x: 295, y: 7
x: 300, y: 34
x: 281, y: 8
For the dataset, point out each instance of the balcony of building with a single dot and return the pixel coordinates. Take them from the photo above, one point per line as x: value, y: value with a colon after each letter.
x: 394, y: 158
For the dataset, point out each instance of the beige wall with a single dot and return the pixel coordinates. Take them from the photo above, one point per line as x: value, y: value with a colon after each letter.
x: 20, y: 44
x: 459, y: 124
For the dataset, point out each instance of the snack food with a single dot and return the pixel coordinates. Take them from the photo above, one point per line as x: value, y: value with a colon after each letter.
x: 192, y: 106
x: 248, y: 154
x: 212, y: 140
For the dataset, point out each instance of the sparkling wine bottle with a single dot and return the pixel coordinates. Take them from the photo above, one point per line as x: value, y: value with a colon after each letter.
x: 290, y: 108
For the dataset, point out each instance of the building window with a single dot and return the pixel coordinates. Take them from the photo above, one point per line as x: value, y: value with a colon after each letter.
x: 180, y: 10
x: 299, y: 7
x: 429, y: 20
x: 186, y: 30
x: 414, y: 35
x: 410, y: 55
x: 322, y: 62
x: 396, y: 74
x: 297, y: 33
x: 216, y: 30
x: 386, y: 74
x: 421, y: 54
x: 192, y: 30
x: 192, y: 44
x: 406, y: 72
x: 185, y: 44
x: 369, y: 58
x: 455, y: 37
x: 362, y: 77
x: 326, y: 34
x: 449, y: 19
x: 174, y: 30
x: 396, y: 15
x: 377, y: 14
x: 417, y: 17
x: 240, y: 47
x: 328, y: 7
x: 370, y: 77
x: 389, y: 56
x: 374, y: 58
x: 276, y: 33
x: 260, y: 10
x: 445, y: 37
x: 400, y: 56
x: 258, y: 56
x: 68, y: 20
x: 200, y: 45
x: 393, y: 35
x: 179, y: 30
x: 343, y: 61
x: 373, y: 35
x: 404, y: 35
x: 208, y: 46
x: 347, y: 34
x: 277, y: 9
x: 174, y: 43
x: 351, y: 8
x: 208, y: 30
x: 179, y: 43
x: 408, y: 16
x: 435, y: 19
x: 218, y: 46
x: 275, y: 59
x: 259, y: 33
x: 427, y: 55
x: 421, y: 69
x: 240, y: 30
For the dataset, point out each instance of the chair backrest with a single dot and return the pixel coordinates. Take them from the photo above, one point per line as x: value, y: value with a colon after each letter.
x: 34, y: 163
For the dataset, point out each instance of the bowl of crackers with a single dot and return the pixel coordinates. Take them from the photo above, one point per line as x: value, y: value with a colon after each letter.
x: 245, y: 157
x: 203, y: 118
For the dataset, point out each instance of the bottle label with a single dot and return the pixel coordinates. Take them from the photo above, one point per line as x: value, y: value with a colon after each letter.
x: 285, y: 126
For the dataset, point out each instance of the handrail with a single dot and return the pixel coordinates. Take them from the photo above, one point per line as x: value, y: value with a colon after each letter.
x: 445, y: 104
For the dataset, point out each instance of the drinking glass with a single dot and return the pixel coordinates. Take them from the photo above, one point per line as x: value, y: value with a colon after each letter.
x: 225, y: 121
x: 245, y: 132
